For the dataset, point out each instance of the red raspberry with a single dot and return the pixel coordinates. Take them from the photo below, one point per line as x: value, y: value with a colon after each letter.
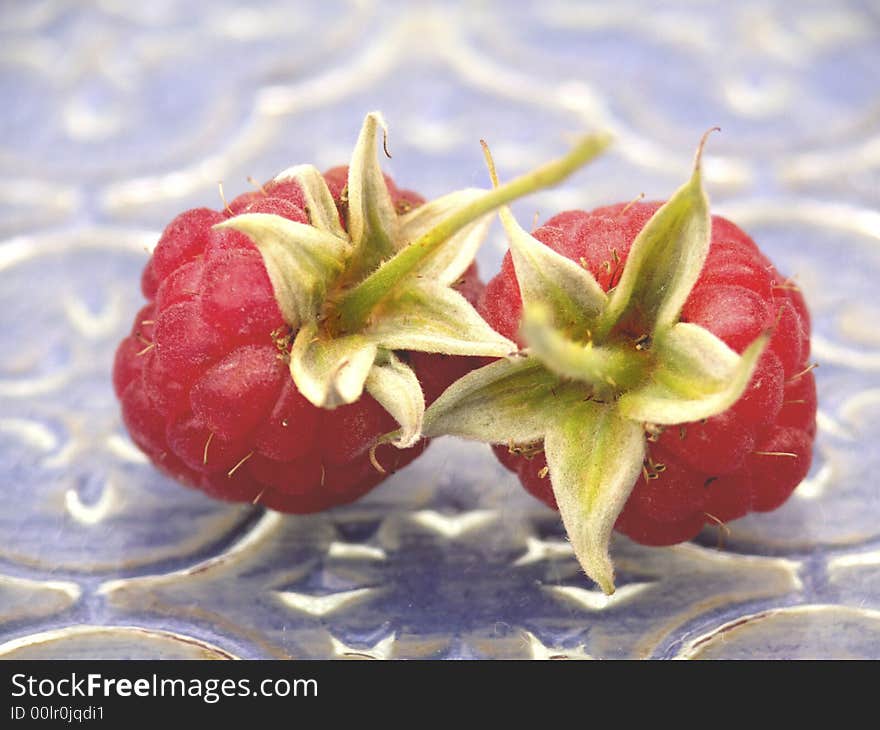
x: 204, y: 387
x: 748, y: 458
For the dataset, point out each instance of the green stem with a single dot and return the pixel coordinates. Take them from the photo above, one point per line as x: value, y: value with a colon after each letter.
x: 356, y: 305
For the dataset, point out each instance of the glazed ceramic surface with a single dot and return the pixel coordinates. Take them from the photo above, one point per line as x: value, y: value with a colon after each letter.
x: 118, y: 115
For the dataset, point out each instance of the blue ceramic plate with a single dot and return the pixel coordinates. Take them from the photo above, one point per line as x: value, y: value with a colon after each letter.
x: 115, y: 118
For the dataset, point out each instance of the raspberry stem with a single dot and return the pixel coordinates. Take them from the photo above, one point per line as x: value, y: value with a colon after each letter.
x: 356, y: 306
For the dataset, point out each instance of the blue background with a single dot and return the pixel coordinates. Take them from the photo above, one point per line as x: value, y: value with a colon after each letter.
x: 116, y: 117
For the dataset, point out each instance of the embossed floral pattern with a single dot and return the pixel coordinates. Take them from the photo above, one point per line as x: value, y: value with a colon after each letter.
x: 102, y: 556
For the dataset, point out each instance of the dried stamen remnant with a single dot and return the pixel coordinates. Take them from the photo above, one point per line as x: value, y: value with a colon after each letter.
x: 239, y: 465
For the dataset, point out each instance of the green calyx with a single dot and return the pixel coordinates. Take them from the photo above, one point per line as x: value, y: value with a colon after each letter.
x: 357, y: 304
x: 601, y: 369
x: 384, y: 282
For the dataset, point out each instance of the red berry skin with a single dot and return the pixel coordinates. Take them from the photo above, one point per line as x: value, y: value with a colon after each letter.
x: 182, y: 240
x: 778, y: 465
x: 207, y: 394
x: 749, y: 458
x: 718, y: 446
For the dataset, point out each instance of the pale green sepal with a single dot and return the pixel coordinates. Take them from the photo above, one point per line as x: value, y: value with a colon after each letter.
x: 372, y: 219
x: 320, y: 206
x: 664, y: 262
x: 697, y: 376
x: 330, y: 372
x: 509, y: 401
x: 607, y: 369
x: 595, y: 458
x: 447, y: 263
x: 701, y: 357
x: 301, y: 261
x: 431, y: 317
x: 395, y: 386
x: 545, y: 277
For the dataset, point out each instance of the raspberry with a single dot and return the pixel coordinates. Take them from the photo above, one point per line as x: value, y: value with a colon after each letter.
x: 212, y: 391
x: 715, y: 469
x: 661, y: 383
